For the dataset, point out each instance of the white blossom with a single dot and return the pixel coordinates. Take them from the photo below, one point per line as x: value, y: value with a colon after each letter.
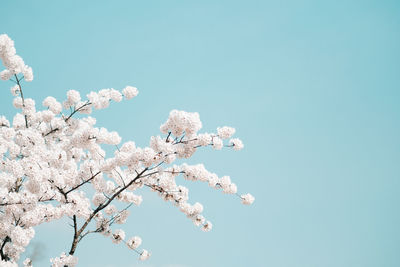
x: 8, y: 264
x: 247, y: 199
x: 225, y: 132
x: 27, y: 262
x: 64, y: 260
x: 73, y: 96
x: 115, y: 95
x: 130, y: 92
x: 204, y: 139
x: 207, y: 226
x: 15, y: 90
x: 181, y: 121
x: 134, y: 242
x: 28, y: 73
x: 14, y: 64
x: 118, y: 236
x: 217, y: 143
x: 53, y: 105
x: 98, y: 198
x: 5, y: 75
x: 236, y: 143
x: 56, y: 163
x: 122, y: 217
x: 144, y: 255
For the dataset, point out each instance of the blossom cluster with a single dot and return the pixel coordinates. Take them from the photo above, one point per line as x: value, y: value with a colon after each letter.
x: 14, y: 64
x: 49, y: 157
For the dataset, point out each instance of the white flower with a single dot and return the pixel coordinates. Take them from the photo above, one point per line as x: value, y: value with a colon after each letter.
x: 115, y: 95
x: 137, y: 200
x: 130, y: 92
x: 28, y: 74
x: 27, y: 262
x: 134, y: 242
x: 118, y: 236
x: 217, y: 143
x: 225, y: 181
x: 64, y: 260
x: 15, y: 90
x: 197, y: 208
x: 225, y: 132
x: 122, y: 217
x: 230, y: 189
x: 213, y: 180
x: 53, y: 105
x: 247, y: 199
x: 4, y: 121
x: 144, y: 255
x: 17, y: 102
x: 182, y: 121
x: 14, y: 64
x: 98, y: 199
x: 110, y: 209
x: 47, y: 116
x: 199, y: 220
x: 22, y: 237
x: 204, y: 139
x: 8, y: 264
x: 5, y: 75
x: 236, y: 143
x: 207, y: 226
x: 73, y: 96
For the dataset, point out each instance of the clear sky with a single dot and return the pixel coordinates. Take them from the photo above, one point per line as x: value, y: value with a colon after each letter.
x: 312, y: 87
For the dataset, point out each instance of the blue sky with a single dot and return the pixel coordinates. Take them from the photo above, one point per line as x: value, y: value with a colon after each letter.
x: 312, y: 87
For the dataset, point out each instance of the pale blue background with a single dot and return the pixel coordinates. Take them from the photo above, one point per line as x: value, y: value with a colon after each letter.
x: 313, y: 88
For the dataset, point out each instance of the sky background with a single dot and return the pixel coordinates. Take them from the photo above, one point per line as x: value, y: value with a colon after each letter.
x: 312, y: 87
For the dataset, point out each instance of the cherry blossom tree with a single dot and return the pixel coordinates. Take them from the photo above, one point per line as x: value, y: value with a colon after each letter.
x: 49, y: 158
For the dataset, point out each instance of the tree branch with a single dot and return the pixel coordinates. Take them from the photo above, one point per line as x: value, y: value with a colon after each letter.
x: 21, y: 203
x: 4, y: 256
x: 76, y: 110
x: 99, y: 208
x: 22, y: 96
x: 75, y: 225
x: 79, y: 185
